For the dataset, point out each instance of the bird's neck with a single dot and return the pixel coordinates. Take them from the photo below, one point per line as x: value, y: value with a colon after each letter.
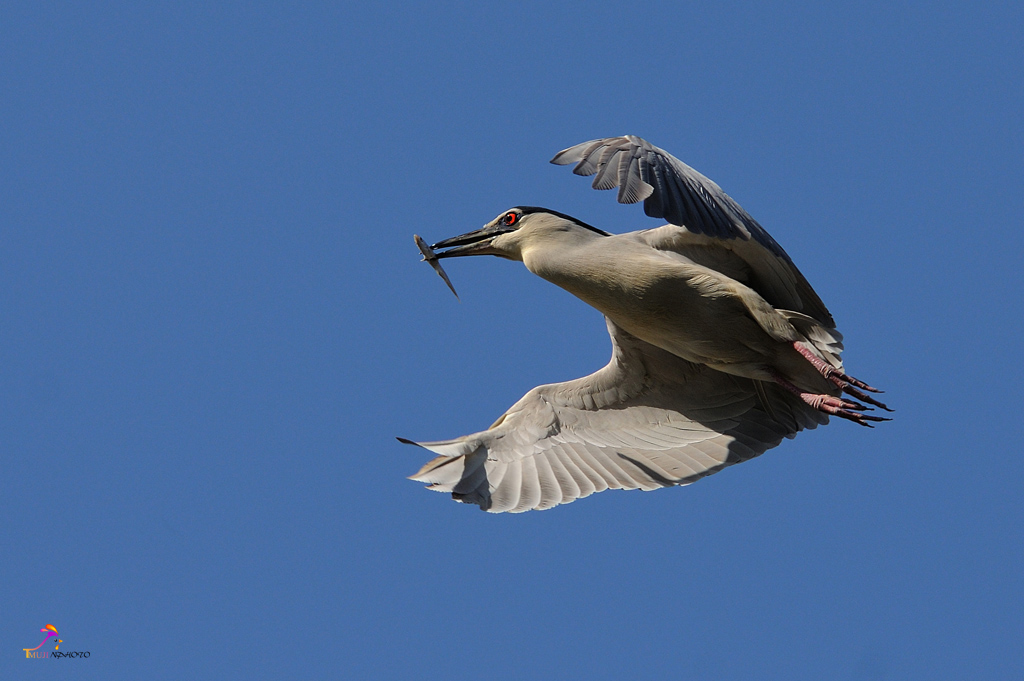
x: 582, y: 264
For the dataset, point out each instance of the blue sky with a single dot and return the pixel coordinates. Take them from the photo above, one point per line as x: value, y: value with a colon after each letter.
x: 214, y: 323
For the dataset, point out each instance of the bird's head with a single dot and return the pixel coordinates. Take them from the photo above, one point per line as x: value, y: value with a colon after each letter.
x: 514, y: 231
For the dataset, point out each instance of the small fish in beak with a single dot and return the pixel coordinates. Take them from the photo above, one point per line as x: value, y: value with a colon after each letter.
x: 430, y: 257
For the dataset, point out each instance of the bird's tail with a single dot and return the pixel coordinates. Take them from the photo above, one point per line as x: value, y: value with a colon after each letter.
x: 827, y: 343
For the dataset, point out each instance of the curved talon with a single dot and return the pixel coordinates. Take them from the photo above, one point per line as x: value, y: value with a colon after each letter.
x: 863, y: 397
x: 860, y: 419
x: 860, y: 384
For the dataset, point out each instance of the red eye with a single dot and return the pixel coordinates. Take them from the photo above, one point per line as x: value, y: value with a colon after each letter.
x: 510, y: 218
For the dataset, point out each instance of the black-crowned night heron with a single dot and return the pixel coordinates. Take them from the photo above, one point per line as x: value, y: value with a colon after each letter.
x: 720, y: 347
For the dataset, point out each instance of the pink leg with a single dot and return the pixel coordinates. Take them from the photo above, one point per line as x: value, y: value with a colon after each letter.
x: 848, y: 384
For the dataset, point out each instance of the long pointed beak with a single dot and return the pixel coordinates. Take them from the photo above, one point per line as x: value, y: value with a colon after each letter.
x: 477, y: 242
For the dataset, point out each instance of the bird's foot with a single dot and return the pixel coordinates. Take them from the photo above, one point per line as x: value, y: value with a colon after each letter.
x: 848, y: 384
x: 837, y: 406
x: 834, y: 406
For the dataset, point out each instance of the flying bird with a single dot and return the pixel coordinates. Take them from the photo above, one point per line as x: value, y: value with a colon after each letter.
x: 720, y: 347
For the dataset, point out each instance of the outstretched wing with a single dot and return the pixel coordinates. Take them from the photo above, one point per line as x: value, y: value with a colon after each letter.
x: 674, y: 191
x: 646, y: 420
x: 669, y: 188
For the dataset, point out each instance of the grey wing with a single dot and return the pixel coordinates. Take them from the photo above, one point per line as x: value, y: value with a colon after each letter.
x: 669, y: 188
x: 776, y: 280
x: 674, y: 191
x: 646, y: 420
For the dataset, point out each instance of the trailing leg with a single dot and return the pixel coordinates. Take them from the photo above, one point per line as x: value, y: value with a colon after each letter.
x: 848, y: 384
x: 835, y: 406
